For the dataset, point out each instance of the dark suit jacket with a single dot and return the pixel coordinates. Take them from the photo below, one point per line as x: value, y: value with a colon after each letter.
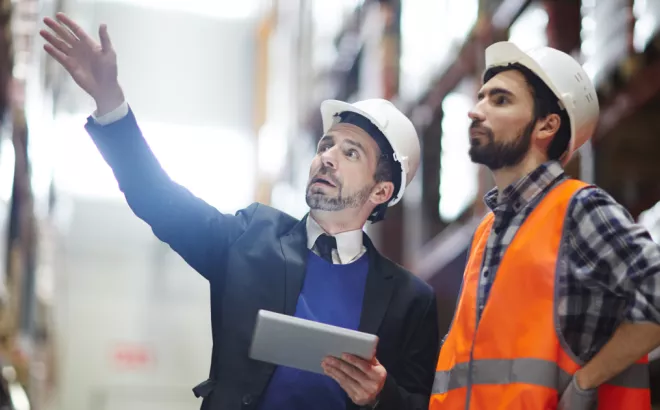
x: 255, y: 260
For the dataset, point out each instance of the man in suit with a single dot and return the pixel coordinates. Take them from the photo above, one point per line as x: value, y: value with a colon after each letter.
x: 322, y: 268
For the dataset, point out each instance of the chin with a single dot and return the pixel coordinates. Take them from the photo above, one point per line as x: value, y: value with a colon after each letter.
x: 474, y: 153
x: 315, y: 191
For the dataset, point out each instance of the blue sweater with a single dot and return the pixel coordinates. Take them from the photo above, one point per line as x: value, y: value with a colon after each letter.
x: 331, y: 294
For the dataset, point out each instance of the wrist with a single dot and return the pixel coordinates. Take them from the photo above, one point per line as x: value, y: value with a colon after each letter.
x: 109, y: 100
x: 373, y: 404
x: 583, y: 381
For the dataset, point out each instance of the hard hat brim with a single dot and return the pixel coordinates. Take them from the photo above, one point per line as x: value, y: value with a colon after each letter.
x: 329, y: 108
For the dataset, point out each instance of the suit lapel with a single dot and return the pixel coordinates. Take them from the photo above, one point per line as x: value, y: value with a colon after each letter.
x: 377, y: 293
x: 294, y: 248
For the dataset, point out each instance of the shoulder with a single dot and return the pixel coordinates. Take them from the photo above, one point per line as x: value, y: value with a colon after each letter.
x: 591, y: 196
x: 594, y: 204
x: 265, y: 217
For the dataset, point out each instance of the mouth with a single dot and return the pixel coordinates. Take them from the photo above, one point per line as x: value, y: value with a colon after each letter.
x: 323, y: 181
x: 480, y: 136
x: 476, y: 133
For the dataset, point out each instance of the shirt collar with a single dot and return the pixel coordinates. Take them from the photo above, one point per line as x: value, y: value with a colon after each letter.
x: 526, y: 189
x: 349, y: 243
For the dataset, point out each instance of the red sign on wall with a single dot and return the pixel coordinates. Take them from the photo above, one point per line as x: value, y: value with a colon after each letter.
x: 132, y: 356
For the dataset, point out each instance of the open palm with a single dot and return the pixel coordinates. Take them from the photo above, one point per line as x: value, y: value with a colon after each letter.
x: 93, y: 66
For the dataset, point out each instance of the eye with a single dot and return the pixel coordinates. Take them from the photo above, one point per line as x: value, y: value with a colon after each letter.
x: 322, y: 148
x: 501, y: 100
x: 352, y: 154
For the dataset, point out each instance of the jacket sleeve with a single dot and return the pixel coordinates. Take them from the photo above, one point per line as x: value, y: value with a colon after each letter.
x: 412, y: 390
x: 198, y: 232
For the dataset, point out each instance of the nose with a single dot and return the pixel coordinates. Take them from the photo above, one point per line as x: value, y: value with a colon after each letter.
x: 328, y: 157
x: 476, y: 114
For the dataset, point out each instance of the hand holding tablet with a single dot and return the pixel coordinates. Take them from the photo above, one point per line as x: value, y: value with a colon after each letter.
x: 304, y: 344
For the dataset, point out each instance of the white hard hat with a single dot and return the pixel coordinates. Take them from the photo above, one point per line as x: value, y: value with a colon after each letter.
x: 566, y: 79
x: 395, y: 126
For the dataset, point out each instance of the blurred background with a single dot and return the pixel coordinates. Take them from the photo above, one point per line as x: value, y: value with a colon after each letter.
x: 96, y: 314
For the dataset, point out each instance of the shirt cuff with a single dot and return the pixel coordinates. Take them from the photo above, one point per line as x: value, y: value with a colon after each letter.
x: 113, y: 116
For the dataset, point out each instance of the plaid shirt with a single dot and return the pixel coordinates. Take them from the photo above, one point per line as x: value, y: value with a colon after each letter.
x: 613, y: 269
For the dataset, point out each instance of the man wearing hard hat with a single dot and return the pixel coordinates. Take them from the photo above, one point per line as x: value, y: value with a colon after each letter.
x: 323, y: 268
x: 560, y: 301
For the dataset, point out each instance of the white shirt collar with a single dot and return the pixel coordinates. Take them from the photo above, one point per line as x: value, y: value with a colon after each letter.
x: 349, y: 243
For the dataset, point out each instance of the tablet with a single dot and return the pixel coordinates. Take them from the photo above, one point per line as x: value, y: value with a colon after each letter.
x: 303, y: 344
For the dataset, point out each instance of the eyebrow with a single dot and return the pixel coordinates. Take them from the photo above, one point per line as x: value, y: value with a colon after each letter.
x: 329, y: 137
x: 356, y: 145
x: 494, y: 91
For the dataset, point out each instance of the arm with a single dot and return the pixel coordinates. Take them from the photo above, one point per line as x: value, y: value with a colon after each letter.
x: 194, y: 229
x: 630, y: 342
x: 620, y: 257
x: 371, y: 386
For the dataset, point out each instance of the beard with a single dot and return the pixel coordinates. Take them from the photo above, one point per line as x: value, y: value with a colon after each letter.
x: 498, y: 155
x: 321, y: 200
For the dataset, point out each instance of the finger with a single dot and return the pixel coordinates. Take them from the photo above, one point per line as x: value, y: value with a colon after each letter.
x: 360, y: 363
x: 75, y: 28
x: 56, y: 42
x: 59, y: 56
x: 334, y: 365
x: 349, y: 369
x: 359, y: 377
x: 356, y: 374
x: 61, y: 31
x: 106, y: 44
x: 357, y: 393
x: 349, y: 392
x: 350, y: 386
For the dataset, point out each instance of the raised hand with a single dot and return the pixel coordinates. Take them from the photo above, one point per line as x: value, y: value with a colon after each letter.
x: 92, y: 66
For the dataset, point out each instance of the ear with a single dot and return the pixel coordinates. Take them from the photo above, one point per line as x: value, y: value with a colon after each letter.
x: 547, y: 127
x: 381, y: 193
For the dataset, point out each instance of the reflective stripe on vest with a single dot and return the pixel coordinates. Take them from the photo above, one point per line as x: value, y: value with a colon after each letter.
x: 530, y: 371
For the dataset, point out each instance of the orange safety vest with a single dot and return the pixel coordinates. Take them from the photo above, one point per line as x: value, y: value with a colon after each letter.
x: 514, y: 358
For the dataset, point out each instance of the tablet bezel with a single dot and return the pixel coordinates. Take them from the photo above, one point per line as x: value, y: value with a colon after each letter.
x: 303, y: 344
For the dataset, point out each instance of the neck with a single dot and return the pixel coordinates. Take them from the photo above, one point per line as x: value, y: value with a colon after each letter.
x: 506, y: 176
x: 334, y: 222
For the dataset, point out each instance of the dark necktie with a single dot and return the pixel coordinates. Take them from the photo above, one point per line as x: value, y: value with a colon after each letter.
x: 324, y: 245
